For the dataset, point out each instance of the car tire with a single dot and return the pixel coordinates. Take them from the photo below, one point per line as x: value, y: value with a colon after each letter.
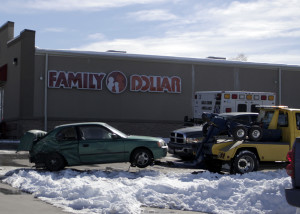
x: 141, y: 158
x: 205, y: 129
x: 255, y: 133
x: 54, y: 162
x: 239, y: 133
x: 244, y: 162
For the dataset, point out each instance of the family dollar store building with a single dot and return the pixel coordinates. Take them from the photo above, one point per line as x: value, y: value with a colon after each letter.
x: 138, y: 94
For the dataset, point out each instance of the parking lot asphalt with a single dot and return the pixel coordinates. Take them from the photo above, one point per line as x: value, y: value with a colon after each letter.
x: 13, y: 200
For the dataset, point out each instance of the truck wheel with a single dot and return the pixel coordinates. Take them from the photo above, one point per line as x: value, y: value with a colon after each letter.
x: 255, y: 133
x: 244, y: 162
x: 55, y: 162
x: 239, y: 133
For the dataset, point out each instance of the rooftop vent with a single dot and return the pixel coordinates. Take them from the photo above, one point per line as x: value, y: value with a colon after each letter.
x: 114, y: 51
x: 216, y: 57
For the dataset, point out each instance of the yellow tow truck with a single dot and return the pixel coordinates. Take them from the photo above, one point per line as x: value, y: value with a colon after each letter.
x: 273, y: 136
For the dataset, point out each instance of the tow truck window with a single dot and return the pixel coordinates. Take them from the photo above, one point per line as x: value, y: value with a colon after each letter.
x: 298, y: 121
x: 265, y: 117
x: 283, y: 120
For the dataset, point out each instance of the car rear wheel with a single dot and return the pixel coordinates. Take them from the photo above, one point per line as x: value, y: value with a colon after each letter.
x: 239, y: 133
x: 244, y: 162
x: 54, y: 162
x: 141, y: 158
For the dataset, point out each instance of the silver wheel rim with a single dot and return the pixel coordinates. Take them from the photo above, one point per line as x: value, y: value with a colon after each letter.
x: 240, y: 133
x: 256, y: 134
x: 143, y: 158
x: 245, y: 164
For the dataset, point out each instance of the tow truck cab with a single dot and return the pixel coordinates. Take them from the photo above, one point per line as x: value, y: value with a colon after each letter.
x: 280, y: 126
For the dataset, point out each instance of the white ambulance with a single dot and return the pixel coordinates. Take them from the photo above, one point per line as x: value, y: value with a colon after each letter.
x: 230, y: 101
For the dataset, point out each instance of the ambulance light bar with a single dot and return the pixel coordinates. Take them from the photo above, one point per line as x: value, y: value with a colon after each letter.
x: 249, y: 97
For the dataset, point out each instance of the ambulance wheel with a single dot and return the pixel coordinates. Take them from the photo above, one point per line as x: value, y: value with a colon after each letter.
x: 255, y: 133
x: 239, y: 133
x: 244, y: 162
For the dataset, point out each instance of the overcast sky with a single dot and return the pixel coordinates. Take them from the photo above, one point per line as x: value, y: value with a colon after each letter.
x: 262, y: 30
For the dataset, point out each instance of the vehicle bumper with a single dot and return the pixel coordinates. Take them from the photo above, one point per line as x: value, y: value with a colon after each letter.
x: 182, y: 149
x: 160, y: 152
x: 292, y: 197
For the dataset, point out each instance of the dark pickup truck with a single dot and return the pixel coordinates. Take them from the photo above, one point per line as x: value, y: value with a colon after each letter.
x: 293, y: 169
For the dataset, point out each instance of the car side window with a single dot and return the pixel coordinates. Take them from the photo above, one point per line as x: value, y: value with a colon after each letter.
x: 67, y: 134
x: 283, y: 120
x: 243, y: 119
x: 253, y: 118
x: 94, y: 133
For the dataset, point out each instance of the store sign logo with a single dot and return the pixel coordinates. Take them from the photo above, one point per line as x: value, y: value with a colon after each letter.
x: 80, y: 80
x: 116, y: 82
x: 155, y: 84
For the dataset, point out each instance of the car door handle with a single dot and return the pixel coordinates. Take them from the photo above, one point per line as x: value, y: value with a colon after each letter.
x: 85, y: 145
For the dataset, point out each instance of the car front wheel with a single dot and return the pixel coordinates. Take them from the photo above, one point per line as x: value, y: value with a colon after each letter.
x: 141, y: 158
x: 239, y: 133
x: 54, y: 162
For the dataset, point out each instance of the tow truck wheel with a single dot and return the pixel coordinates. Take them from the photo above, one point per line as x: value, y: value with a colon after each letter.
x: 244, y: 162
x: 255, y: 133
x: 239, y: 133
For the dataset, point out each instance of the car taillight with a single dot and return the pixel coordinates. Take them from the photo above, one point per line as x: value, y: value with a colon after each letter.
x: 290, y: 169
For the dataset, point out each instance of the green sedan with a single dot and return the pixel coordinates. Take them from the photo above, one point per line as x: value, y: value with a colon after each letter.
x: 89, y: 143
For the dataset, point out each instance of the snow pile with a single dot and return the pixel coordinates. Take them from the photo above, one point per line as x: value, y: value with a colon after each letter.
x: 125, y: 192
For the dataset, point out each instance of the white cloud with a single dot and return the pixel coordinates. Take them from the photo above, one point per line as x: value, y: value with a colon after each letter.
x: 260, y: 29
x: 152, y: 15
x: 70, y: 5
x: 55, y: 30
x: 96, y: 36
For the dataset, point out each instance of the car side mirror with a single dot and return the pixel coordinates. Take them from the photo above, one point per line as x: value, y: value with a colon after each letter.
x: 114, y: 136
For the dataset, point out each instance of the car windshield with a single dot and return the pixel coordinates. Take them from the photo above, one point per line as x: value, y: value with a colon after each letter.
x: 116, y: 131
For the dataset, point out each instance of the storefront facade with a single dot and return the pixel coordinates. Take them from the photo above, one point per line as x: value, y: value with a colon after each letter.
x: 138, y: 94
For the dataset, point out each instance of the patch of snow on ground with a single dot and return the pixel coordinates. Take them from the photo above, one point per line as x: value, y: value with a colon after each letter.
x: 124, y: 192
